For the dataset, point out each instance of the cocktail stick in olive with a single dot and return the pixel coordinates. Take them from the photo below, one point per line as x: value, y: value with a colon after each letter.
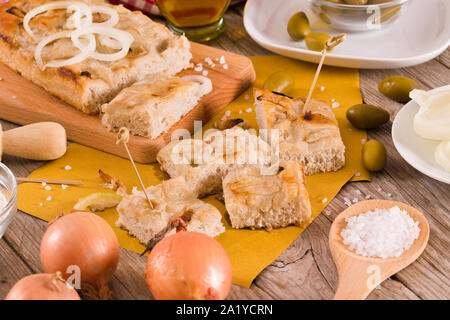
x: 374, y: 155
x: 316, y: 41
x: 280, y: 81
x: 298, y: 26
x: 397, y: 88
x: 366, y: 116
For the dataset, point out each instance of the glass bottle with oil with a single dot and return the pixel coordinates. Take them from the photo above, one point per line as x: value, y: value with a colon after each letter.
x: 199, y: 20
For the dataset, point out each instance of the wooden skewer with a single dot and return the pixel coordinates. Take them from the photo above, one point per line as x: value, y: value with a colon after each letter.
x: 122, y: 138
x: 331, y: 43
x: 50, y: 181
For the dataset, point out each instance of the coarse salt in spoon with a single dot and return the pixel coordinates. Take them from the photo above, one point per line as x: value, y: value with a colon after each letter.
x: 359, y: 275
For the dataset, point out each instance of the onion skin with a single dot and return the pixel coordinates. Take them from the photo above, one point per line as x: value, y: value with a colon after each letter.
x: 42, y: 286
x: 188, y: 266
x: 85, y: 240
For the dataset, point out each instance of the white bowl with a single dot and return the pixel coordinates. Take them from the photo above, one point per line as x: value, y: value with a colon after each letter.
x: 348, y: 17
x: 417, y: 151
x: 8, y: 188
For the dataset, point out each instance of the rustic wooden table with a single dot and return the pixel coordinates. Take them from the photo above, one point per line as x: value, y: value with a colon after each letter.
x: 305, y: 270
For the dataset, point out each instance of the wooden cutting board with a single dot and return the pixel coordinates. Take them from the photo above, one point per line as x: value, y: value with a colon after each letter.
x: 23, y: 102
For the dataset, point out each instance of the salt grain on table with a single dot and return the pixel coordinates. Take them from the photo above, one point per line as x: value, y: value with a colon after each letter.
x: 380, y: 233
x: 64, y: 186
x: 335, y: 105
x: 222, y: 60
x: 48, y: 188
x: 246, y: 97
x: 198, y: 68
x: 248, y: 110
x: 68, y: 167
x: 363, y: 141
x: 205, y: 73
x: 49, y: 198
x: 322, y: 88
x: 225, y: 66
x: 324, y: 200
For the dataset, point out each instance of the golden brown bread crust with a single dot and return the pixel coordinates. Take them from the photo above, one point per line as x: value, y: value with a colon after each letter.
x: 312, y: 138
x: 88, y: 84
x: 255, y: 200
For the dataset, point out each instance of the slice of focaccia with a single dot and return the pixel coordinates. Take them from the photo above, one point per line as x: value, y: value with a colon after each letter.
x: 314, y: 139
x: 254, y: 200
x: 204, y: 162
x: 150, y: 107
x: 90, y: 83
x: 169, y: 199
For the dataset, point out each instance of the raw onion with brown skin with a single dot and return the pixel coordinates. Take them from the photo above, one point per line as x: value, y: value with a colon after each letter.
x: 85, y: 240
x: 42, y: 286
x: 188, y: 266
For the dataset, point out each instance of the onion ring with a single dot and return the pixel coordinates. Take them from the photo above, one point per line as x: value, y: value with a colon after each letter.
x: 125, y: 38
x: 85, y: 52
x: 84, y: 9
x: 113, y: 16
x: 205, y: 83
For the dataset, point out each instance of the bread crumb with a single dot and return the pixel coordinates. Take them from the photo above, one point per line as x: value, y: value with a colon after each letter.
x: 368, y: 196
x: 225, y: 66
x: 14, y: 97
x: 327, y: 212
x: 68, y: 167
x: 358, y: 192
x: 48, y: 198
x: 205, y: 73
x: 357, y: 174
x: 199, y: 67
x: 213, y: 65
x: 389, y: 195
x: 48, y: 188
x: 222, y: 60
x: 363, y: 141
x: 355, y: 200
x: 64, y: 186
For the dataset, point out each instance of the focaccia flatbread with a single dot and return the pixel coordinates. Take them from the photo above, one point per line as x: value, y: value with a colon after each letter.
x: 313, y: 139
x: 88, y: 84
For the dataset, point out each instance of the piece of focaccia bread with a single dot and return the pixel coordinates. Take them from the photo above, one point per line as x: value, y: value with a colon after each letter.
x: 254, y: 200
x: 314, y: 139
x: 149, y: 108
x: 169, y: 199
x: 204, y: 163
x: 88, y: 84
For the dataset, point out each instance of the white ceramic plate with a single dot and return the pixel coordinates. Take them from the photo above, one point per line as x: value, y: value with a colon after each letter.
x: 417, y: 151
x: 419, y: 35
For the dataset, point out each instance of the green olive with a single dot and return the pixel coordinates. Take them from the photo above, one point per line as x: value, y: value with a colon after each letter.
x: 366, y: 116
x: 316, y: 41
x: 397, y: 88
x: 324, y: 18
x: 356, y: 2
x: 298, y: 26
x: 280, y: 81
x: 374, y: 155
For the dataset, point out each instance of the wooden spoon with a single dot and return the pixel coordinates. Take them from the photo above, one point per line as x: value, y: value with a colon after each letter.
x: 359, y: 275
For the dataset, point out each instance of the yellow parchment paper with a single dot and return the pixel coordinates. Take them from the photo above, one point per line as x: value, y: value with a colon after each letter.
x: 249, y: 251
